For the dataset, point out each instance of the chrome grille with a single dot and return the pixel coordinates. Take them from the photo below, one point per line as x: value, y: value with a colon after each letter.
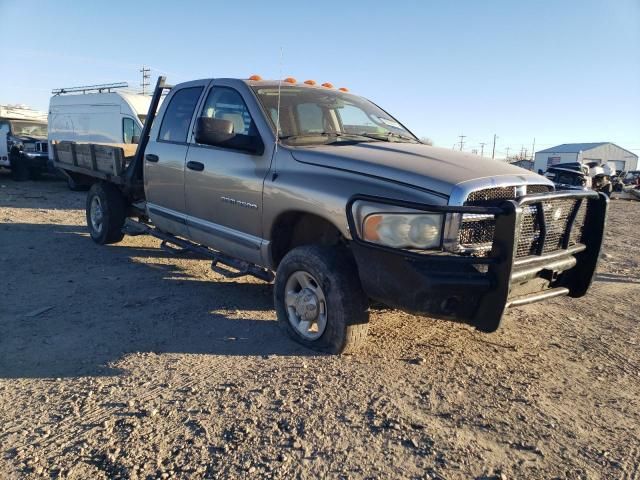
x: 41, y: 147
x: 492, y: 195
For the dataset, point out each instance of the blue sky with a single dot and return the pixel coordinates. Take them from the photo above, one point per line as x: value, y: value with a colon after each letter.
x: 558, y: 70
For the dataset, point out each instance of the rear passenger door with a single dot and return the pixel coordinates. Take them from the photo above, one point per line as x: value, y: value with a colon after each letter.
x: 223, y: 185
x: 165, y: 158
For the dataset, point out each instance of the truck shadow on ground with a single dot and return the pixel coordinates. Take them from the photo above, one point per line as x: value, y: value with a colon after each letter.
x: 74, y: 308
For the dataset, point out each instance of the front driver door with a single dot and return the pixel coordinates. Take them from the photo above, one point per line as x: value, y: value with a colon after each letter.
x: 223, y: 186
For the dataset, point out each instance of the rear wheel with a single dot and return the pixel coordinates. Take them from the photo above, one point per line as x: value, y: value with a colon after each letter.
x: 319, y: 300
x: 106, y: 213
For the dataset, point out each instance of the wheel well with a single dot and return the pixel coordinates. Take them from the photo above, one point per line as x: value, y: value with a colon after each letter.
x: 294, y: 229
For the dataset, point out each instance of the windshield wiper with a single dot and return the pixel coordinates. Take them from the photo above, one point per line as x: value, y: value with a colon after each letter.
x: 325, y: 134
x: 386, y: 136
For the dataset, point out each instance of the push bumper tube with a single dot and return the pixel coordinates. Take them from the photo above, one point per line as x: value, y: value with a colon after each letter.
x: 477, y: 290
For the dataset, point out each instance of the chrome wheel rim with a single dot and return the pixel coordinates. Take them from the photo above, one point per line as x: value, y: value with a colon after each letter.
x: 96, y: 215
x: 306, y: 305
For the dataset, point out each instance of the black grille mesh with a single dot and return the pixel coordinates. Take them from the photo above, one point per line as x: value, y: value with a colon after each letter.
x: 557, y: 214
x: 476, y: 231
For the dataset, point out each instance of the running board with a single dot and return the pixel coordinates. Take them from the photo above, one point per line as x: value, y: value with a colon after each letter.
x: 178, y: 246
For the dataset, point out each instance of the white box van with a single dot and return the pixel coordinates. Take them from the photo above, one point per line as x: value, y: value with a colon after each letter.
x: 109, y: 117
x: 103, y: 117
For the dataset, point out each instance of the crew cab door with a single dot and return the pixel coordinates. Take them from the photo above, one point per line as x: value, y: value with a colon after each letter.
x: 165, y: 155
x: 223, y: 184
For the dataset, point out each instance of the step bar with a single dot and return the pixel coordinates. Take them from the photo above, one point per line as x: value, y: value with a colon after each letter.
x: 222, y: 264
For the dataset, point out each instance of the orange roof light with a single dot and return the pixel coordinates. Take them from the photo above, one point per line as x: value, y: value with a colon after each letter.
x: 343, y: 89
x: 310, y: 82
x: 255, y: 78
x: 290, y: 80
x: 327, y: 85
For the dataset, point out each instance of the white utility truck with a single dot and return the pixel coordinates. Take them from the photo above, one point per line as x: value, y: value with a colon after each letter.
x: 23, y: 141
x: 95, y: 114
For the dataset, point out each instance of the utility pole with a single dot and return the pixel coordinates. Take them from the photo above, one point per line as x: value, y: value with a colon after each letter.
x: 493, y: 153
x: 508, y: 153
x: 462, y: 137
x: 533, y: 148
x: 146, y: 74
x: 482, y: 144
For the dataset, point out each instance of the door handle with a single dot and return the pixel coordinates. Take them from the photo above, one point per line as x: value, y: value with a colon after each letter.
x: 197, y: 166
x: 150, y: 157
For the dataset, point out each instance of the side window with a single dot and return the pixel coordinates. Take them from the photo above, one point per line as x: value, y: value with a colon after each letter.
x: 177, y: 117
x: 227, y: 104
x: 127, y: 130
x: 130, y: 129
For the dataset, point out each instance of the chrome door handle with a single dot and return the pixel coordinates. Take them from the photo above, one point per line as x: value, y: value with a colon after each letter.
x: 150, y: 157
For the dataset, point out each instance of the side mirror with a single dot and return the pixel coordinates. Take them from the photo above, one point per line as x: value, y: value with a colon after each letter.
x: 219, y: 133
x: 213, y: 131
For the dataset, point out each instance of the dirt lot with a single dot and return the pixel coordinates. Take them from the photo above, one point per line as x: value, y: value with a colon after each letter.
x: 125, y: 362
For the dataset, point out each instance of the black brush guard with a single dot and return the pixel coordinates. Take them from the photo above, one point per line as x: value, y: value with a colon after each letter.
x: 477, y: 290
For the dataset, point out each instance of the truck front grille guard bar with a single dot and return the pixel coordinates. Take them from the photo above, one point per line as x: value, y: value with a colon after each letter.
x: 502, y: 259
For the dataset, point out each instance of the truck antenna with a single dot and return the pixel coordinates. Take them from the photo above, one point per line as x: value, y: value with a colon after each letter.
x: 275, y: 148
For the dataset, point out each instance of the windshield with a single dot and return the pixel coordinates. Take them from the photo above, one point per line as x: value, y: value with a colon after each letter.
x: 21, y: 128
x: 320, y: 116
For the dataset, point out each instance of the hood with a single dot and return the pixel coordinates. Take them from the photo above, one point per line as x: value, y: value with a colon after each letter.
x: 422, y: 166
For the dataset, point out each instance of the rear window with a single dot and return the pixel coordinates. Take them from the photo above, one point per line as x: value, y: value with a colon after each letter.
x: 177, y: 117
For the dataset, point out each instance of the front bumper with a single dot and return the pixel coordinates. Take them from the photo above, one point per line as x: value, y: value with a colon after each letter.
x: 35, y: 159
x: 477, y: 290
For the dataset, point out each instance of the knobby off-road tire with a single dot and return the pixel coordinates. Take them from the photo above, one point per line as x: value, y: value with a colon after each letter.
x: 106, y: 212
x: 332, y: 280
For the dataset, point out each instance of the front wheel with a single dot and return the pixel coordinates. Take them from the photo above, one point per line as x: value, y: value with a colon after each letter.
x: 319, y: 300
x: 106, y: 213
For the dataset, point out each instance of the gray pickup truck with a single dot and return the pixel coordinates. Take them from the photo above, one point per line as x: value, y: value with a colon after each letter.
x: 336, y: 201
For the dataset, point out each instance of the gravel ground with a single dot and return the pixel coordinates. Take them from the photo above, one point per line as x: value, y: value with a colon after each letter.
x: 126, y: 362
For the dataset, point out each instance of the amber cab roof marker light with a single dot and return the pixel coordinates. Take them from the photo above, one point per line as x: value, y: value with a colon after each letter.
x: 255, y: 78
x: 310, y: 82
x: 289, y: 80
x: 327, y: 85
x: 343, y: 89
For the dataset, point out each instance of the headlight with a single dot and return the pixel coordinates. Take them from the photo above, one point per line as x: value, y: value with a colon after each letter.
x: 419, y: 231
x: 397, y: 227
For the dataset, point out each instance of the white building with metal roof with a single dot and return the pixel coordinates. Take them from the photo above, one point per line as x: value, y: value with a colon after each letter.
x: 601, y: 152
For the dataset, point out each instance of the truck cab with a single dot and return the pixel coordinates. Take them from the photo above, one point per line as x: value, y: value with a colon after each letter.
x: 23, y: 141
